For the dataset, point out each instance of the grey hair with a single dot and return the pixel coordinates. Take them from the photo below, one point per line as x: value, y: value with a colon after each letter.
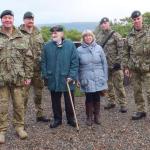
x: 88, y: 32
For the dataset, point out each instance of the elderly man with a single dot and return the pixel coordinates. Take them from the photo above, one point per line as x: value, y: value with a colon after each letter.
x: 60, y: 65
x: 16, y: 69
x: 112, y: 43
x: 36, y: 43
x: 137, y: 57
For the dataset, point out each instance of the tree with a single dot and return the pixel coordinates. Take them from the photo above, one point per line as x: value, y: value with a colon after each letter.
x: 45, y: 33
x: 146, y: 17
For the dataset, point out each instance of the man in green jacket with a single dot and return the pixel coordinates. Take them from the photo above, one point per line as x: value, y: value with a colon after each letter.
x: 60, y: 65
x: 36, y: 42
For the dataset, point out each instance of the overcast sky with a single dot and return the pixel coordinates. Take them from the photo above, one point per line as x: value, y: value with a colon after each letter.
x: 60, y: 11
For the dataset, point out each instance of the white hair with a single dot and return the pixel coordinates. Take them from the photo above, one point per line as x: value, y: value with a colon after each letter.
x: 88, y: 32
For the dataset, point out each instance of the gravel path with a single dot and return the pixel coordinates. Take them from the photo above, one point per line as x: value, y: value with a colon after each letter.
x: 116, y: 132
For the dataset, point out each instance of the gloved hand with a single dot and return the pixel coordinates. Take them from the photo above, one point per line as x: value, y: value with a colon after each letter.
x: 45, y: 82
x: 116, y: 67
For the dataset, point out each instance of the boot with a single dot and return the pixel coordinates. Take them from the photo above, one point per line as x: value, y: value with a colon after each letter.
x: 2, y: 137
x: 138, y: 115
x: 97, y: 112
x: 21, y: 132
x: 89, y: 113
x: 42, y: 119
x: 55, y: 123
x: 109, y: 106
x: 123, y: 109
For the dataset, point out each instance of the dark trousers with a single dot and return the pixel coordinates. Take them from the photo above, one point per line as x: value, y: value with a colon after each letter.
x: 56, y: 105
x: 92, y: 97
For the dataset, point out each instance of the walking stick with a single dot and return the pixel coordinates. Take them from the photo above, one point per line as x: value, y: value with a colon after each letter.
x: 75, y: 116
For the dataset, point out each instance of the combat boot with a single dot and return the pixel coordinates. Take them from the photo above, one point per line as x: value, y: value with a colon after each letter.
x: 109, y: 106
x: 97, y: 112
x: 138, y: 115
x: 21, y: 132
x: 2, y: 137
x: 89, y: 113
x: 123, y: 109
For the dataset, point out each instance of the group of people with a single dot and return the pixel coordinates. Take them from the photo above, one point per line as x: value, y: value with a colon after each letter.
x: 95, y: 67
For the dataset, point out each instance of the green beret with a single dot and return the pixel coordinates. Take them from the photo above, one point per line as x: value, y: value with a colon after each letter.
x: 105, y: 19
x: 6, y: 12
x: 135, y: 14
x: 57, y: 28
x: 28, y: 14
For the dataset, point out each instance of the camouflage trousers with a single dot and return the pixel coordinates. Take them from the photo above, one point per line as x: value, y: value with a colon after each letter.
x: 38, y: 85
x: 116, y: 90
x: 141, y: 81
x: 14, y: 93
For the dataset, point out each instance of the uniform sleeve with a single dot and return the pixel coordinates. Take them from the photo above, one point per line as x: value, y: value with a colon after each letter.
x: 28, y: 64
x: 126, y: 53
x: 39, y: 50
x: 119, y: 47
x: 74, y: 64
x: 105, y: 65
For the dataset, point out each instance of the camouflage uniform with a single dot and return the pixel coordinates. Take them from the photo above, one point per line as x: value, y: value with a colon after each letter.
x: 15, y: 67
x: 137, y: 57
x: 113, y: 50
x: 36, y: 42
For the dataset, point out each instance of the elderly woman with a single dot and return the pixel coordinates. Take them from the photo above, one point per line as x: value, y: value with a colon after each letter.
x: 93, y: 74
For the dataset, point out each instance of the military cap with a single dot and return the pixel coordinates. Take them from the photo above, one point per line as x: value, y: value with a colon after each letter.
x: 105, y: 19
x: 57, y: 28
x: 135, y: 14
x: 28, y: 14
x: 7, y: 12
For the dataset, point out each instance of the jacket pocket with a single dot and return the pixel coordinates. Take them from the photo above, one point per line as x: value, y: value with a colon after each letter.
x: 84, y: 82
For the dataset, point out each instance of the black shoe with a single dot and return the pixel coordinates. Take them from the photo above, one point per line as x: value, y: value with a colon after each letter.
x: 109, y: 106
x: 123, y: 109
x: 138, y: 115
x: 55, y: 123
x: 72, y: 123
x: 42, y: 119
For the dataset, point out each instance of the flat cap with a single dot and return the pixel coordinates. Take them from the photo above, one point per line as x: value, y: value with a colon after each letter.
x: 105, y: 19
x: 57, y: 28
x: 28, y: 14
x: 7, y: 12
x: 135, y: 14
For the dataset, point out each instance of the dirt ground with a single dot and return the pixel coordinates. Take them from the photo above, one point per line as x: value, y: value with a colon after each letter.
x: 116, y: 132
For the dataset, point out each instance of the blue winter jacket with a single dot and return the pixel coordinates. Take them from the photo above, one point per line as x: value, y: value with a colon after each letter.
x: 93, y: 69
x: 58, y: 64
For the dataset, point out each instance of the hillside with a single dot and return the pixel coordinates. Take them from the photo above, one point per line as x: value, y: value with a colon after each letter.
x: 80, y: 26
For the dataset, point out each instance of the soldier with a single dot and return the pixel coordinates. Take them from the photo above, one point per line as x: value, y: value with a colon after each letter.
x: 137, y: 57
x: 36, y: 42
x: 16, y: 69
x: 112, y: 43
x: 60, y: 65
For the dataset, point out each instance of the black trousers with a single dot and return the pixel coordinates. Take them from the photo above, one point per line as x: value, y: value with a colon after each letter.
x: 92, y: 97
x: 56, y: 105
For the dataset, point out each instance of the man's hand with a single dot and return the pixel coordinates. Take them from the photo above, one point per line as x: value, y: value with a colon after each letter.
x: 70, y: 80
x: 27, y: 82
x: 116, y: 67
x: 45, y: 82
x: 78, y: 84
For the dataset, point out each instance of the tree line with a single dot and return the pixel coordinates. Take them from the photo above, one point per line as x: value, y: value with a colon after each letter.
x: 123, y: 26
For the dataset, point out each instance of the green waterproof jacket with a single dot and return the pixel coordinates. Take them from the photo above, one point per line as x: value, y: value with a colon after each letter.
x: 58, y: 64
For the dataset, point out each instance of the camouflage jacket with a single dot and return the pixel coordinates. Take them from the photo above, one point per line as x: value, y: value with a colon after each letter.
x: 36, y: 43
x: 137, y: 54
x: 16, y: 62
x: 113, y: 48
